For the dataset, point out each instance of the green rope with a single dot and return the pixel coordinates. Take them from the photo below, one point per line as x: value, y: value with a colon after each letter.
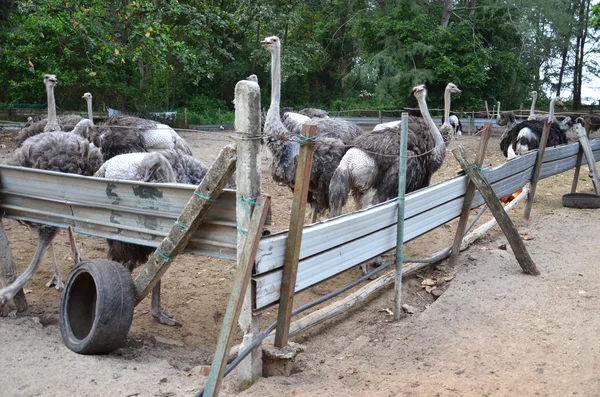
x: 472, y: 167
x: 401, y: 198
x: 244, y: 232
x: 182, y: 227
x: 249, y: 201
x: 304, y: 140
x: 203, y: 197
x: 166, y: 258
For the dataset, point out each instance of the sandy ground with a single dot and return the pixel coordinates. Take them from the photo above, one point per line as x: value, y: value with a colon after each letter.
x: 493, y: 332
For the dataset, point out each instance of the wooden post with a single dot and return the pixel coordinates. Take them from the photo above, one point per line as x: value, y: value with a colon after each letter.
x: 248, y: 180
x: 577, y: 169
x: 219, y: 115
x: 493, y: 203
x: 380, y: 118
x: 589, y: 155
x: 472, y: 131
x: 498, y: 111
x: 185, y: 116
x: 535, y: 176
x: 468, y: 200
x: 216, y: 178
x: 400, y: 222
x: 294, y: 239
x: 8, y: 274
x: 487, y: 110
x: 234, y: 306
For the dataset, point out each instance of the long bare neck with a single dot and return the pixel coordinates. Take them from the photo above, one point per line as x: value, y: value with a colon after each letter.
x: 532, y: 110
x: 89, y: 106
x: 446, y: 106
x: 430, y: 123
x: 551, y: 114
x: 51, y: 106
x: 273, y: 113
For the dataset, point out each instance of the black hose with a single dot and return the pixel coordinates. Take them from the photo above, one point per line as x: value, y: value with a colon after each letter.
x: 261, y: 336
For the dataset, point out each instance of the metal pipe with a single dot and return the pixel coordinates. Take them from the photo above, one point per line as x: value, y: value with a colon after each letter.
x: 400, y: 222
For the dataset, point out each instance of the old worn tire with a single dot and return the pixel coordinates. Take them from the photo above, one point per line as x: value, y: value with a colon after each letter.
x: 581, y: 200
x: 96, y: 307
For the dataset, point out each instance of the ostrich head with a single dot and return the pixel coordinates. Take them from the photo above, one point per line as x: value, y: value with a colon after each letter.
x: 271, y: 44
x: 453, y: 89
x: 50, y: 80
x: 506, y: 119
x: 419, y: 91
x: 253, y: 78
x: 533, y: 94
x: 87, y: 96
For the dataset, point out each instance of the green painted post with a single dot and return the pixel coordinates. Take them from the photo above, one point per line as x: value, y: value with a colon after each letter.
x: 400, y: 224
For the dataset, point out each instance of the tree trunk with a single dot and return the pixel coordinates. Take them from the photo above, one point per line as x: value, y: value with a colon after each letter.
x: 579, y: 52
x: 563, y: 66
x: 473, y: 5
x: 446, y: 14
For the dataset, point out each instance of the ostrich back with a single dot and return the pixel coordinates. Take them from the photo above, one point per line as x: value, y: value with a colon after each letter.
x: 58, y: 151
x: 556, y: 136
x: 66, y: 122
x: 188, y: 169
x: 336, y: 128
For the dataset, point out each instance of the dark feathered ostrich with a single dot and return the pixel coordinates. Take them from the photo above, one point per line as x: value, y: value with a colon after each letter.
x: 188, y: 169
x: 146, y: 167
x: 369, y: 170
x: 128, y: 134
x: 52, y: 151
x: 526, y: 135
x: 51, y: 123
x: 333, y: 135
x: 455, y: 123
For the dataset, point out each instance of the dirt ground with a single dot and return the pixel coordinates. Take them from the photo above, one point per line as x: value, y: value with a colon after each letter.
x: 493, y: 332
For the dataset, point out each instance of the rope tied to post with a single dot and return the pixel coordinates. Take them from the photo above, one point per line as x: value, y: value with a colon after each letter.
x: 472, y: 167
x: 248, y: 201
x: 239, y: 229
x: 207, y: 198
x: 304, y: 140
x: 166, y: 258
x: 179, y: 225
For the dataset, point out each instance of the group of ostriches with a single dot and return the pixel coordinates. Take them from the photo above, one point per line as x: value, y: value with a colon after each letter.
x: 346, y: 160
x: 123, y: 147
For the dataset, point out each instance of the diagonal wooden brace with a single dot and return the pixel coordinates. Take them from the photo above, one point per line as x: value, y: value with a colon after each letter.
x: 210, y: 188
x: 494, y: 205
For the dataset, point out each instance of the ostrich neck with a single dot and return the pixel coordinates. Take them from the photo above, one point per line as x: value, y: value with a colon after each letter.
x: 51, y: 106
x: 273, y: 113
x: 439, y: 141
x: 551, y: 114
x: 446, y: 106
x: 532, y: 111
x: 89, y: 106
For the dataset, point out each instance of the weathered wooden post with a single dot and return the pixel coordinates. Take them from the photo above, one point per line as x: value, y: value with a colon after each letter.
x: 247, y: 123
x: 584, y: 143
x: 537, y: 169
x: 464, y: 216
x: 400, y: 222
x: 185, y: 116
x: 487, y: 110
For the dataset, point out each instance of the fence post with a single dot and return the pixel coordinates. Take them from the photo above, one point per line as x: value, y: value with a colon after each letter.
x: 537, y: 168
x: 294, y: 239
x: 487, y: 110
x: 400, y: 222
x: 247, y: 122
x: 380, y: 118
x: 185, y: 116
x: 219, y: 115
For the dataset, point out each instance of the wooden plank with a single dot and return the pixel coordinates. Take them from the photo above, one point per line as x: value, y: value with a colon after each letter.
x: 292, y: 248
x: 537, y: 169
x: 217, y: 176
x: 494, y: 205
x: 234, y: 305
x: 577, y: 169
x: 468, y: 199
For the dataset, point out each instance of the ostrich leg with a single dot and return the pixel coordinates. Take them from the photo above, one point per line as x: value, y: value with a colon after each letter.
x: 56, y: 279
x: 163, y: 316
x: 45, y: 237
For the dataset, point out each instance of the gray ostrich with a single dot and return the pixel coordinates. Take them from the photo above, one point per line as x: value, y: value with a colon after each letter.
x: 188, y: 169
x: 64, y: 123
x: 526, y: 135
x: 539, y: 117
x: 52, y: 151
x: 369, y: 170
x: 333, y: 135
x: 128, y: 134
x: 145, y: 167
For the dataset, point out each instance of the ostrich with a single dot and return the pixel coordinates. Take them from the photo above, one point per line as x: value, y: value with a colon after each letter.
x: 507, y: 120
x: 52, y: 151
x: 539, y: 117
x: 88, y: 98
x: 146, y: 167
x: 455, y: 123
x: 64, y: 123
x: 188, y: 169
x: 526, y: 135
x: 128, y: 134
x: 369, y: 170
x: 334, y: 136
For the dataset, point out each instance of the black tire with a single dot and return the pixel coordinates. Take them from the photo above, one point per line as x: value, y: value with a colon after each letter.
x: 96, y: 307
x: 581, y: 200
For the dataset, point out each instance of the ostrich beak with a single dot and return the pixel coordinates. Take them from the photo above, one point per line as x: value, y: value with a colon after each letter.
x: 559, y: 103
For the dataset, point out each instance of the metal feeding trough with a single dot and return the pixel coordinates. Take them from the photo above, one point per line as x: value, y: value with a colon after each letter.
x: 581, y: 200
